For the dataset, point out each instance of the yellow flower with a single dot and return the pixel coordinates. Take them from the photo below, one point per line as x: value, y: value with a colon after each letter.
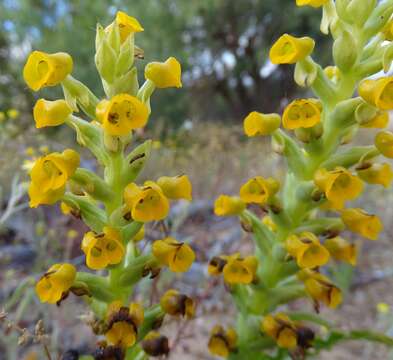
x: 176, y: 187
x: 228, y: 205
x: 302, y: 113
x: 383, y: 308
x: 259, y: 190
x: 379, y: 121
x: 55, y: 282
x: 341, y: 249
x: 307, y: 250
x: 358, y: 221
x: 49, y: 176
x: 221, y: 341
x: 240, y: 271
x: 13, y: 113
x: 177, y: 256
x: 384, y: 143
x: 216, y: 265
x: 44, y: 69
x: 378, y: 92
x: 103, y: 249
x: 339, y: 185
x: 176, y: 304
x: 282, y: 329
x: 123, y: 323
x: 381, y: 174
x: 72, y: 234
x: 50, y: 113
x: 289, y: 49
x: 140, y: 235
x: 313, y: 3
x: 122, y: 114
x: 44, y: 149
x: 155, y: 344
x: 127, y: 25
x: 2, y: 116
x: 267, y: 220
x: 261, y: 124
x: 30, y: 151
x: 146, y: 203
x: 320, y: 288
x: 164, y: 74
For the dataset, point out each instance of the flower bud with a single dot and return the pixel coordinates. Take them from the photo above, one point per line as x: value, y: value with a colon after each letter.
x: 306, y: 72
x: 307, y: 135
x: 361, y: 10
x: 344, y: 51
x: 42, y: 69
x: 50, y: 113
x: 289, y: 49
x: 261, y: 124
x: 105, y: 59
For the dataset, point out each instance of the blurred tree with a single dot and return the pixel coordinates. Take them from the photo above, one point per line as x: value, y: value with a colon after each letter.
x: 222, y: 45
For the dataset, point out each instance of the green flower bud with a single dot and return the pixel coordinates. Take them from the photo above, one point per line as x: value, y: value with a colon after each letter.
x: 136, y: 160
x: 378, y: 19
x: 92, y: 184
x: 279, y: 253
x: 344, y: 51
x: 77, y: 94
x: 387, y: 57
x: 126, y: 56
x: 344, y: 113
x: 305, y: 72
x: 126, y: 84
x: 364, y: 113
x: 105, y: 60
x: 93, y: 216
x: 309, y: 134
x: 360, y: 10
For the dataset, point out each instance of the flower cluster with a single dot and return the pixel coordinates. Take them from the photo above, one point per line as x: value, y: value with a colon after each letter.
x: 114, y: 206
x: 297, y: 224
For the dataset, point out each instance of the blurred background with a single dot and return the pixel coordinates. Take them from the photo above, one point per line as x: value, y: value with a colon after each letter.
x: 223, y: 48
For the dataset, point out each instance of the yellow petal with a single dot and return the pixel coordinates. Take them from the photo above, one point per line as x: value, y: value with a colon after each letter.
x: 50, y: 113
x: 289, y: 49
x: 176, y: 187
x: 164, y: 74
